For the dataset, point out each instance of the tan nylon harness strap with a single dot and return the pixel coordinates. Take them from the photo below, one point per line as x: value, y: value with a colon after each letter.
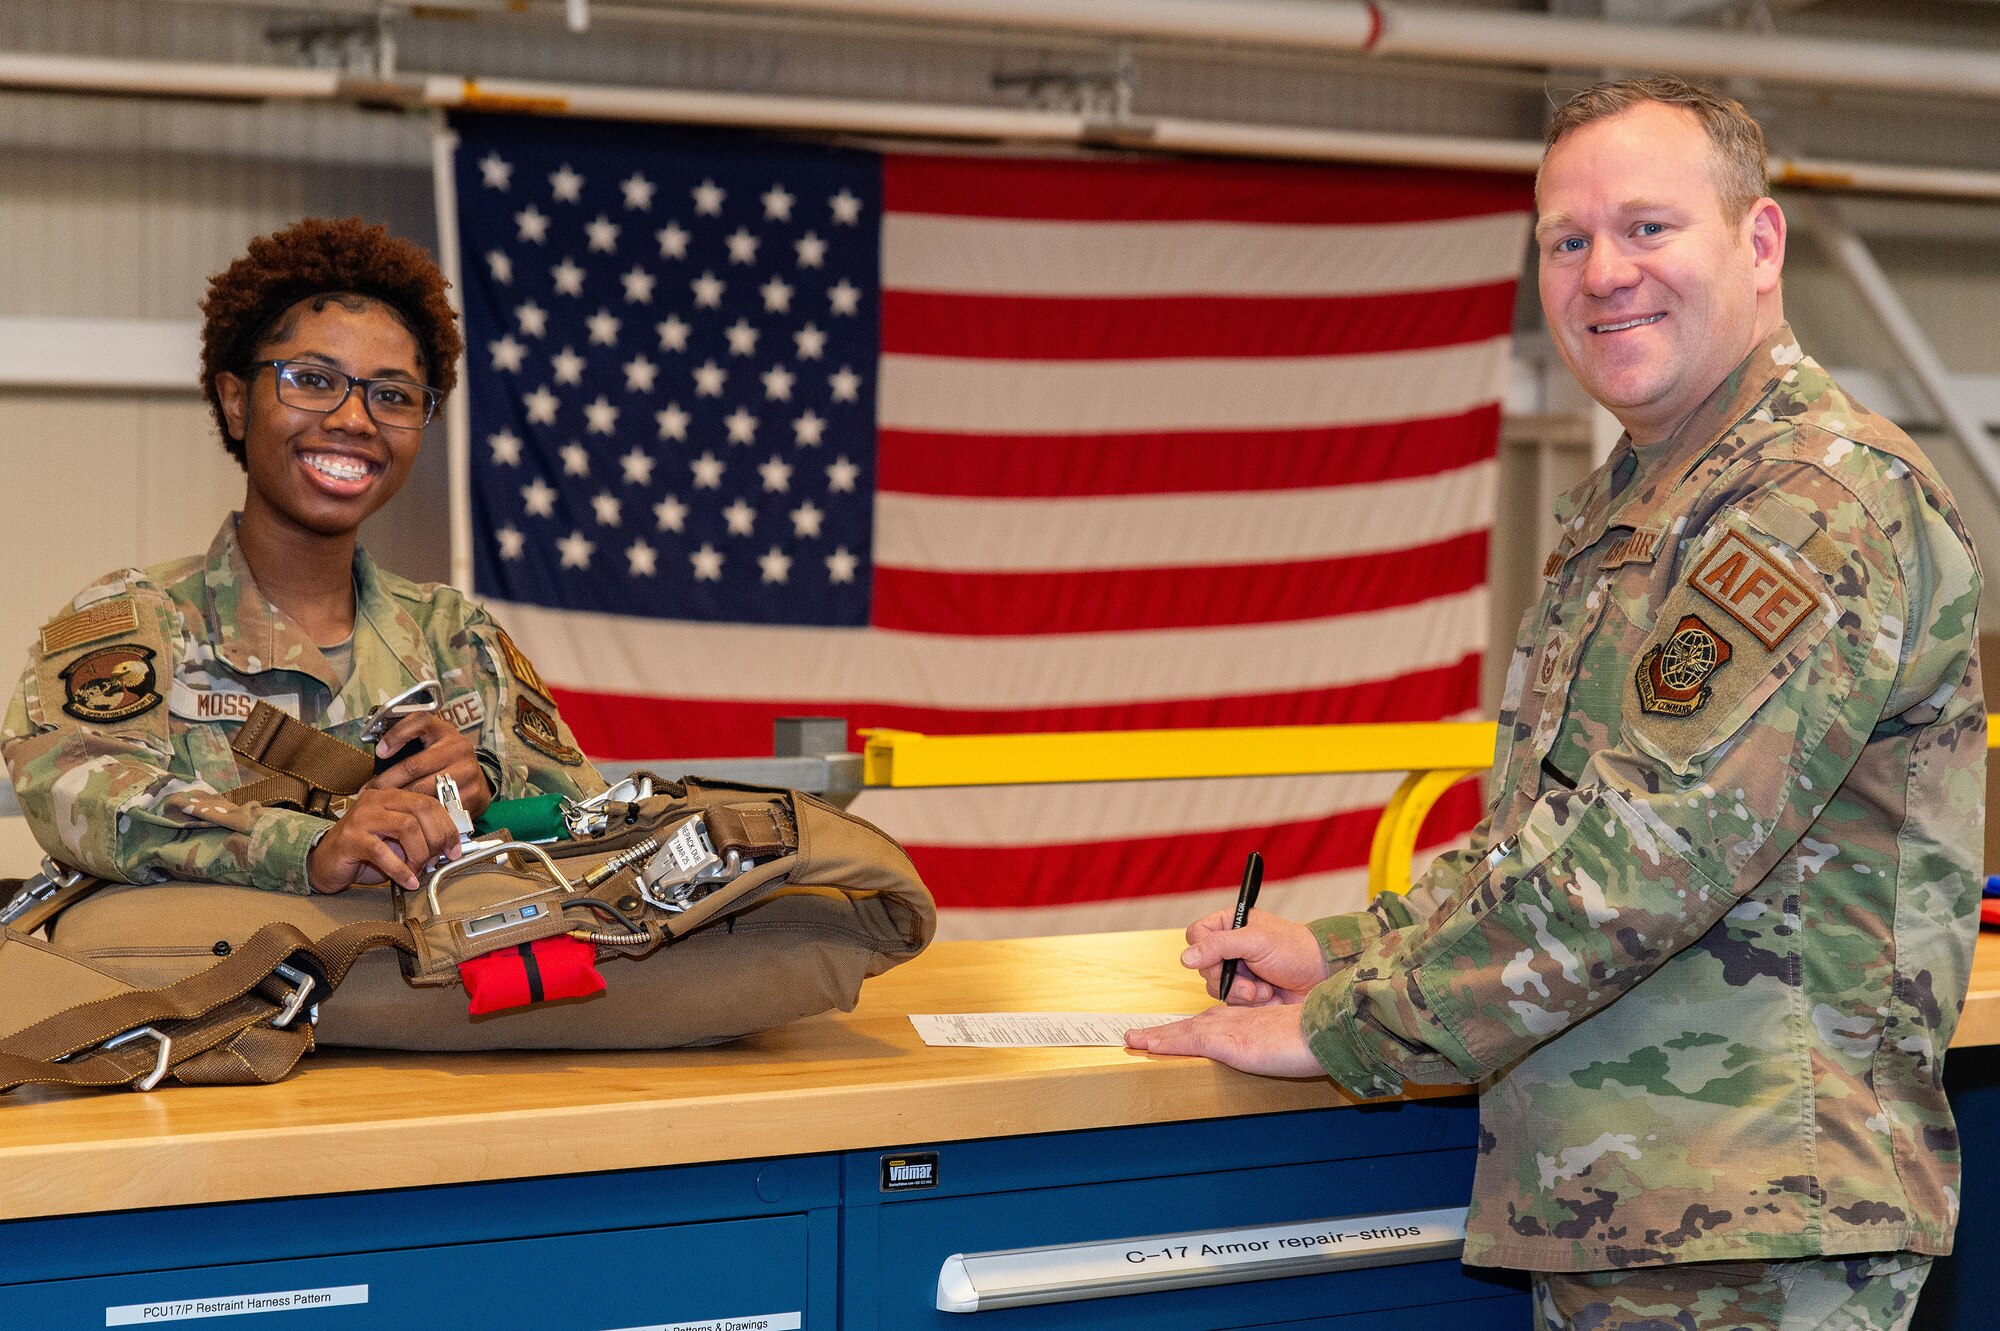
x: 306, y: 766
x: 217, y: 1020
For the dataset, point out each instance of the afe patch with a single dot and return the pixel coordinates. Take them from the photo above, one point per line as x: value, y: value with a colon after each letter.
x: 110, y: 684
x: 537, y: 730
x: 1754, y: 589
x: 1673, y: 676
x: 520, y: 667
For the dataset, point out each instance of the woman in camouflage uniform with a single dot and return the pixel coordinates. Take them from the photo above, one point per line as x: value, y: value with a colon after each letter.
x: 325, y: 350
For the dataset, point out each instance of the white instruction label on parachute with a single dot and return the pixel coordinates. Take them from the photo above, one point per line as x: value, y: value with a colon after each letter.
x: 756, y: 1322
x: 689, y: 847
x: 236, y: 1305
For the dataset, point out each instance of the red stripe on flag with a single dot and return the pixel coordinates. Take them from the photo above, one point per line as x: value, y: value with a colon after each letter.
x: 621, y: 727
x: 1026, y: 466
x: 1199, y: 596
x: 1058, y: 875
x: 1094, y: 190
x: 1159, y: 327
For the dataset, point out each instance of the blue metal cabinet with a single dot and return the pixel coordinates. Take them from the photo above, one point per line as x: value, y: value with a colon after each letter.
x: 595, y: 1253
x: 1134, y: 1182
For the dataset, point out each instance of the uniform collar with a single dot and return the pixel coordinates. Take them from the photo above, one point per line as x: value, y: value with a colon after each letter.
x: 1636, y: 485
x: 254, y: 636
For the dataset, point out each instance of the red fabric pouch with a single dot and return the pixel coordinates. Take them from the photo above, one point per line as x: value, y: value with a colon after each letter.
x: 538, y: 972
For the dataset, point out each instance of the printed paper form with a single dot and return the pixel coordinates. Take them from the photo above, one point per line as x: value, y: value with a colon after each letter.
x: 1033, y: 1030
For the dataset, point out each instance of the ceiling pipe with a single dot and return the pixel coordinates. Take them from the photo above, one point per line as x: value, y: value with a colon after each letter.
x: 928, y: 120
x: 1480, y: 37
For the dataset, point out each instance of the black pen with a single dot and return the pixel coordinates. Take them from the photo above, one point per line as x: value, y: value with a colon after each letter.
x: 1246, y: 898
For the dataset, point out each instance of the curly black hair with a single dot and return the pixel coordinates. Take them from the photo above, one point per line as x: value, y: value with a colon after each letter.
x: 332, y: 259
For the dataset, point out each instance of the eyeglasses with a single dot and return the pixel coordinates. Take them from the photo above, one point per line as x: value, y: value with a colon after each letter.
x: 400, y: 403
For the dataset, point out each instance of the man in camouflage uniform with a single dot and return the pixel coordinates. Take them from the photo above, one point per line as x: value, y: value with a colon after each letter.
x: 127, y: 787
x: 1706, y: 951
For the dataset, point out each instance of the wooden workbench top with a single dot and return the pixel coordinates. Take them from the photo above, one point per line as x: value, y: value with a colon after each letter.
x: 356, y: 1120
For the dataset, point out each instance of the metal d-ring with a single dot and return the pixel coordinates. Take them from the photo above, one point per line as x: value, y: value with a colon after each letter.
x: 491, y: 852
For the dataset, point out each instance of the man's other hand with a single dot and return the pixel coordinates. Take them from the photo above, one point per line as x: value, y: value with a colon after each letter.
x: 1268, y: 1040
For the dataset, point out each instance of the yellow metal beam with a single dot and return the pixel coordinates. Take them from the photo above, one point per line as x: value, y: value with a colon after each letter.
x: 902, y: 758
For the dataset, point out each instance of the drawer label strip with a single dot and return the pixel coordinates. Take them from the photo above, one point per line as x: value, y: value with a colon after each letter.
x: 235, y: 1305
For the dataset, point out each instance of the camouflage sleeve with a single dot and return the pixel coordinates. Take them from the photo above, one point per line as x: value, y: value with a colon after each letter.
x: 89, y: 745
x: 522, y: 734
x: 1668, y: 826
x: 1343, y: 937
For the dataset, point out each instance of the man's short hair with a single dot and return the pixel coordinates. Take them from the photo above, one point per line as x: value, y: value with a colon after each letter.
x: 1734, y: 139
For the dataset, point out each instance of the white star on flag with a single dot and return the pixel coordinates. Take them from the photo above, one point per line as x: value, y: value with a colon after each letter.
x: 507, y: 353
x: 708, y: 198
x: 846, y: 208
x: 811, y: 342
x: 845, y: 297
x: 708, y: 379
x: 576, y: 550
x: 639, y: 374
x: 638, y: 192
x: 840, y: 477
x: 576, y: 459
x: 812, y: 251
x: 673, y: 241
x: 742, y: 246
x: 742, y: 338
x: 777, y: 296
x: 638, y: 286
x: 495, y: 171
x: 511, y: 542
x: 707, y: 471
x: 673, y: 422
x: 534, y: 224
x: 673, y: 333
x: 534, y: 319
x: 541, y: 405
x: 742, y: 426
x: 707, y: 563
x: 671, y: 513
x: 568, y: 366
x: 608, y: 508
x: 569, y: 278
x: 807, y: 430
x: 840, y: 565
x: 846, y: 385
x: 603, y: 235
x: 741, y: 518
x: 806, y: 520
x: 566, y: 185
x: 778, y: 204
x: 777, y: 565
x: 540, y: 497
x: 708, y: 289
x: 638, y: 465
x: 500, y: 266
x: 777, y: 474
x: 603, y: 417
x: 777, y: 384
x: 604, y: 326
x: 506, y: 447
x: 642, y: 558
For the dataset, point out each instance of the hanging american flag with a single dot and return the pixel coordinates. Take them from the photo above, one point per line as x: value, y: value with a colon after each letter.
x: 977, y: 443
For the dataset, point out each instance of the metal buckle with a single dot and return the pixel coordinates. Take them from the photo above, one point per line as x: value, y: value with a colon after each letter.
x: 295, y: 1002
x: 52, y: 879
x: 166, y: 1047
x: 403, y: 704
x: 487, y: 850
